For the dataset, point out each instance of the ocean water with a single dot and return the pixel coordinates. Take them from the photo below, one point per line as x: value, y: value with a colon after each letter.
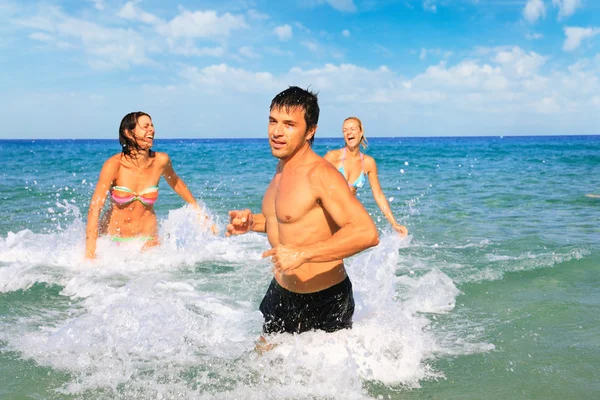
x: 494, y: 294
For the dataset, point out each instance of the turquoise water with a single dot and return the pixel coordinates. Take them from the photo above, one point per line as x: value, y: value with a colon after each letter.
x: 493, y: 295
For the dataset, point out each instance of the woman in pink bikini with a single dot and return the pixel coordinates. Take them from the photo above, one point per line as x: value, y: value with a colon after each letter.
x: 131, y: 177
x: 356, y: 167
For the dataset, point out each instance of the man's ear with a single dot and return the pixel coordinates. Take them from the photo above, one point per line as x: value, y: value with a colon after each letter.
x: 311, y: 133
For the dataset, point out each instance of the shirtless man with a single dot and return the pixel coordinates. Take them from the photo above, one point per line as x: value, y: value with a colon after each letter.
x: 312, y: 221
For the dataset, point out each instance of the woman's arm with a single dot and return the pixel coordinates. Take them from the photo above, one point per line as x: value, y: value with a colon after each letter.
x: 182, y: 190
x: 177, y: 183
x: 380, y: 198
x: 108, y: 174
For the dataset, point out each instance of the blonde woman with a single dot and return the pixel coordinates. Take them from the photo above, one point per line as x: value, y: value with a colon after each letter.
x: 357, y: 167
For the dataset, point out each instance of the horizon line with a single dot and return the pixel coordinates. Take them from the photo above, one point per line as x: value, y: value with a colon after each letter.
x: 316, y: 138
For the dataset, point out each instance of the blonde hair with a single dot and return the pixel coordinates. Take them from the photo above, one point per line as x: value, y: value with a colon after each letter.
x: 363, y: 140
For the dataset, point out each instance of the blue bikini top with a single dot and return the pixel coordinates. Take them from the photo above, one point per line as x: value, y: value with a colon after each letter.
x: 360, y: 181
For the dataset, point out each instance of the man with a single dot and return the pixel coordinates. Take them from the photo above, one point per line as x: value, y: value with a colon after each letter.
x: 312, y: 221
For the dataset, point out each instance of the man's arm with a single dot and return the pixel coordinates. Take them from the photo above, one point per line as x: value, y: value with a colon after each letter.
x: 357, y: 231
x: 259, y: 223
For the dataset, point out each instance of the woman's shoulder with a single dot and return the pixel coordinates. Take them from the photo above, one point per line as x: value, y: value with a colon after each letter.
x: 369, y: 162
x: 161, y: 157
x: 333, y: 155
x: 113, y: 161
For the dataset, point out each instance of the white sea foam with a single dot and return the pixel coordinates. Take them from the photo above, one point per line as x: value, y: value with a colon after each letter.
x: 181, y: 320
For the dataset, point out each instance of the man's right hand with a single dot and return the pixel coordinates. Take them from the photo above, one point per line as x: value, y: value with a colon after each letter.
x: 240, y: 221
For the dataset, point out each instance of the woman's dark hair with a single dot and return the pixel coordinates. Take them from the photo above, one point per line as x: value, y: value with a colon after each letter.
x: 295, y: 97
x: 127, y: 141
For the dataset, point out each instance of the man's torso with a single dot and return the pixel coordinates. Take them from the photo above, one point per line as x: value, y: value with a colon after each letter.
x: 295, y: 216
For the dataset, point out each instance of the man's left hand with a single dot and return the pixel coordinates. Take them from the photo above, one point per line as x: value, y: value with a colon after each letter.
x: 285, y: 258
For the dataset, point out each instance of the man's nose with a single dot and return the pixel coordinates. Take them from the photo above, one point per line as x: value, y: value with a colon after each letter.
x: 278, y: 130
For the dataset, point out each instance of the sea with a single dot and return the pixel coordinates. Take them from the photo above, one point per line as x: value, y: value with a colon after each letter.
x: 495, y: 293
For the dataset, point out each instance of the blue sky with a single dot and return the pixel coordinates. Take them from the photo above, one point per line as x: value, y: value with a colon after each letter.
x: 74, y: 68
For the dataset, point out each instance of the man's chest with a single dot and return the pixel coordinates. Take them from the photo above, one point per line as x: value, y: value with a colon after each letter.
x: 289, y: 198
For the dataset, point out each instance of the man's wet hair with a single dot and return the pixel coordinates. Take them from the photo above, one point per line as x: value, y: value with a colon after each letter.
x: 295, y: 97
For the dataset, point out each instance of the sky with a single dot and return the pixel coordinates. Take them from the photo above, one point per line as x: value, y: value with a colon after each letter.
x: 209, y: 69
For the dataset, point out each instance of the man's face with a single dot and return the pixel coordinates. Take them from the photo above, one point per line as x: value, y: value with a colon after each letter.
x: 287, y: 131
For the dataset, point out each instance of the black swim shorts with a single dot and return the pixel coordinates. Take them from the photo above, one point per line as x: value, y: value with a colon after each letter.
x: 328, y: 310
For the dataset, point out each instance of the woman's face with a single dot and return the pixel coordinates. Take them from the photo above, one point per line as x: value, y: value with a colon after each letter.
x: 352, y: 133
x: 143, y: 133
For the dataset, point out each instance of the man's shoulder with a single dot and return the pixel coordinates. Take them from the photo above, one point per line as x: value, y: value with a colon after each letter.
x: 321, y: 169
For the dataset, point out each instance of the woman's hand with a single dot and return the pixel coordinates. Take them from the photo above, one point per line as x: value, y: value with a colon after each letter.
x: 401, y: 229
x: 203, y: 218
x: 90, y: 252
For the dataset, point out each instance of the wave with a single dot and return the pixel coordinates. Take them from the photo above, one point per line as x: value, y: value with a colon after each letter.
x: 182, y: 319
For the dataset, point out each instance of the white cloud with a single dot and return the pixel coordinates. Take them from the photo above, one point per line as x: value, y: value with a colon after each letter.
x: 506, y: 91
x: 283, y: 32
x: 533, y: 36
x: 518, y: 63
x: 274, y: 50
x: 534, y: 10
x: 42, y: 37
x: 131, y: 12
x: 98, y: 4
x: 255, y: 14
x: 105, y: 47
x: 508, y: 83
x: 435, y: 52
x: 429, y: 5
x: 342, y: 5
x: 220, y: 77
x: 248, y: 52
x: 566, y: 7
x: 301, y: 27
x: 575, y: 35
x: 46, y: 38
x: 187, y: 48
x: 384, y: 51
x: 346, y: 33
x: 312, y: 46
x: 202, y: 24
x: 506, y: 71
